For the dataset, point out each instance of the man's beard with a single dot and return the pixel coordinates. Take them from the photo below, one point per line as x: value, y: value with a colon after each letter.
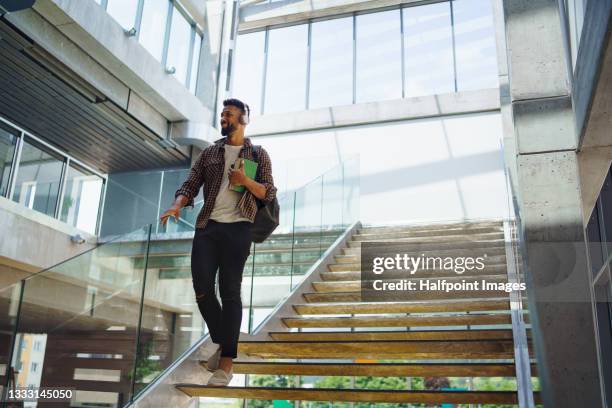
x: 227, y: 130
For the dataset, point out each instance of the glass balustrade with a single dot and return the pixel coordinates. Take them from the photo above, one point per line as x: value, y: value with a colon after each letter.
x: 108, y: 322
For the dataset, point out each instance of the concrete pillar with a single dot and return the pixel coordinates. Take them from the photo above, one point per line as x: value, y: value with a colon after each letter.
x: 548, y: 190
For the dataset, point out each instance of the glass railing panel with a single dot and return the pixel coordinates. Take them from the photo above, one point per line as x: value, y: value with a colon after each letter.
x: 350, y: 191
x: 308, y: 236
x: 332, y: 198
x: 78, y: 323
x: 270, y: 267
x: 9, y: 310
x: 171, y: 320
x: 185, y: 224
x: 131, y: 201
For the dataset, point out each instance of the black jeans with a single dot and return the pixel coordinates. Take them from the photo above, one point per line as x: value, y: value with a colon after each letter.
x: 224, y: 247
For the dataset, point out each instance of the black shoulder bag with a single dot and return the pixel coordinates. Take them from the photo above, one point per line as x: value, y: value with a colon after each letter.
x: 266, y: 219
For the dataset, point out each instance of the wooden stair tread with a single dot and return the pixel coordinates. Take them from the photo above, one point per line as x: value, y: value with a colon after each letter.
x: 355, y: 296
x: 398, y: 321
x: 337, y: 274
x: 429, y: 238
x: 381, y: 349
x: 478, y: 334
x: 498, y: 266
x: 376, y: 369
x: 401, y: 307
x: 355, y: 285
x: 355, y: 395
x: 417, y: 245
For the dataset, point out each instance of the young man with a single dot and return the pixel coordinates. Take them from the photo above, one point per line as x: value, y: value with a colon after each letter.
x: 222, y: 238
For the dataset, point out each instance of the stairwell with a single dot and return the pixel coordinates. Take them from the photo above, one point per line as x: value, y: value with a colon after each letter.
x: 332, y: 332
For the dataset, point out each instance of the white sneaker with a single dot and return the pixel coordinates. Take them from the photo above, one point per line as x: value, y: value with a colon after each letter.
x: 220, y: 378
x: 213, y: 361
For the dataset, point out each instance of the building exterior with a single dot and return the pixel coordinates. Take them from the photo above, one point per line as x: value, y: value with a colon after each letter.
x: 454, y: 110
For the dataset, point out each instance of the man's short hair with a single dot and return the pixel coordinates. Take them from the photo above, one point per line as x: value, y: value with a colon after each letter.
x: 238, y: 104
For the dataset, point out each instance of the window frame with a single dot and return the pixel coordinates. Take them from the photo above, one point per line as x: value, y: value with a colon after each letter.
x: 354, y: 15
x: 22, y: 136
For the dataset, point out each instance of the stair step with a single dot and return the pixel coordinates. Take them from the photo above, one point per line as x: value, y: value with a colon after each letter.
x: 365, y: 235
x: 377, y: 369
x: 495, y: 263
x: 354, y: 395
x: 399, y: 321
x: 499, y: 271
x: 401, y: 307
x: 390, y: 349
x: 417, y: 246
x: 355, y: 285
x: 463, y: 225
x: 393, y: 335
x: 328, y: 297
x: 454, y: 252
x: 485, y: 236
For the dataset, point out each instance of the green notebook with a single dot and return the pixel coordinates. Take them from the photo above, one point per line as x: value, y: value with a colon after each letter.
x: 250, y: 168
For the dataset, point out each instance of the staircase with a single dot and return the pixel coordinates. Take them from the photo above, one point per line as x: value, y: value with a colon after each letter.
x: 433, y: 334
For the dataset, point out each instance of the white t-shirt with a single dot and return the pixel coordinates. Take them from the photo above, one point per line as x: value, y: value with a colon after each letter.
x: 225, y: 209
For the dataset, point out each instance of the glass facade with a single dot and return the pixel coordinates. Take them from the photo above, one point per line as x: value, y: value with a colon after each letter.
x: 195, y: 63
x: 124, y: 11
x: 249, y: 68
x: 44, y: 176
x: 8, y: 143
x: 378, y: 62
x: 154, y: 16
x: 331, y: 68
x: 38, y: 178
x: 81, y: 199
x: 598, y: 232
x: 474, y: 45
x: 287, y: 57
x: 575, y: 10
x: 165, y: 31
x: 428, y: 34
x: 178, y: 48
x: 409, y: 51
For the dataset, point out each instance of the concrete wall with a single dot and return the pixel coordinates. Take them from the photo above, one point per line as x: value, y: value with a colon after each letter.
x: 430, y: 169
x: 32, y: 241
x: 546, y: 157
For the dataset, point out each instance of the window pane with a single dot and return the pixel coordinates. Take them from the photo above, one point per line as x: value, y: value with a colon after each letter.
x: 331, y: 63
x: 8, y: 140
x: 286, y: 76
x: 38, y: 179
x: 428, y: 50
x: 195, y: 63
x: 81, y: 199
x: 247, y: 81
x: 379, y: 61
x: 124, y: 11
x: 475, y: 45
x: 153, y: 26
x: 178, y: 49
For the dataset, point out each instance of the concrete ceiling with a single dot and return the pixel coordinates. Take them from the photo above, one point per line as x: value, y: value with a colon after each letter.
x: 40, y: 94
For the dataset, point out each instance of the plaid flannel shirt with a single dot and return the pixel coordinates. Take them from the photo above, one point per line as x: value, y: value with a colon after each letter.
x: 208, y: 171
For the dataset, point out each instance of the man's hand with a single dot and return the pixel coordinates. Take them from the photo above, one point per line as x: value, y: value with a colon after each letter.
x: 237, y: 177
x: 171, y: 212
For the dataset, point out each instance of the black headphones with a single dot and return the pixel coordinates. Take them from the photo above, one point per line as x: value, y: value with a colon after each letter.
x: 245, y: 118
